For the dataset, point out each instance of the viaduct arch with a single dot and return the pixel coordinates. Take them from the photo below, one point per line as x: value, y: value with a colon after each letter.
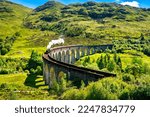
x: 61, y: 59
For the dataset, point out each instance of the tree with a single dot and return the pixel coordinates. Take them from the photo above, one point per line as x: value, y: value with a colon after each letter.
x: 127, y: 77
x: 34, y: 61
x: 146, y: 50
x: 119, y: 63
x: 106, y: 59
x: 134, y: 69
x: 8, y: 46
x: 63, y: 84
x: 83, y: 11
x: 1, y: 40
x: 141, y: 93
x: 142, y: 37
x: 4, y: 51
x: 115, y: 57
x: 111, y: 66
x: 100, y: 62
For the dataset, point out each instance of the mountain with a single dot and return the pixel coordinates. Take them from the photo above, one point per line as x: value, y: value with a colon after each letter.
x: 91, y: 20
x: 80, y: 23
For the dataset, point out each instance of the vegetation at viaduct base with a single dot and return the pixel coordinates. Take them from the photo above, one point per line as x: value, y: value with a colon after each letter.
x: 25, y: 33
x: 131, y: 65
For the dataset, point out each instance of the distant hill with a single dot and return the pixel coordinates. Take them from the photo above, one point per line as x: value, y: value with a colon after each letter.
x: 91, y: 20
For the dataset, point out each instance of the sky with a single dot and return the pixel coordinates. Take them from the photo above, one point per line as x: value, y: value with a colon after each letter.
x: 36, y: 3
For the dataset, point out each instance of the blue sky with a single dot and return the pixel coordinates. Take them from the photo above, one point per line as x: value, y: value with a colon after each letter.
x: 35, y: 3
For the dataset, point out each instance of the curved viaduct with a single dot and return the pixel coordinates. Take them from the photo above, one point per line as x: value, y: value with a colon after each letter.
x: 61, y: 59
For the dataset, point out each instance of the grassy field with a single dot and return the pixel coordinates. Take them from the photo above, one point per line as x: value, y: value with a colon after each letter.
x: 23, y: 87
x: 28, y: 41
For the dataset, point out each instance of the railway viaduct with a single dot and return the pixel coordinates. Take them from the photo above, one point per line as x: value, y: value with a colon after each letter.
x: 62, y: 59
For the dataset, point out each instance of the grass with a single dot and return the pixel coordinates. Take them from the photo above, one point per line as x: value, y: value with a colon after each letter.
x: 14, y: 87
x: 11, y: 21
x: 13, y: 78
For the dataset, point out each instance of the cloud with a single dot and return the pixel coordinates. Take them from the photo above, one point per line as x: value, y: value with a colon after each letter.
x: 133, y: 3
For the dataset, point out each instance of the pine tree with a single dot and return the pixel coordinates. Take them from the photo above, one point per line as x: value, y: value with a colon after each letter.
x: 100, y: 62
x: 115, y: 57
x: 119, y: 63
x: 34, y: 61
x: 111, y: 66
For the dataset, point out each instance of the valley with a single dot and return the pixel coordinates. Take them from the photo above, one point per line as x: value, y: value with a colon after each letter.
x: 25, y: 33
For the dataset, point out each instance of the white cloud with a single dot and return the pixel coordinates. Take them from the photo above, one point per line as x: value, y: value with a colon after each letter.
x: 133, y: 3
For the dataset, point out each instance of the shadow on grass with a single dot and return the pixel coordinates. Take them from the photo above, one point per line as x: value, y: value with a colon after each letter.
x: 31, y: 81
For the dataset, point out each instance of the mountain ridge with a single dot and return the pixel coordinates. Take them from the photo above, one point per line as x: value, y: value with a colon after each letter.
x: 65, y: 19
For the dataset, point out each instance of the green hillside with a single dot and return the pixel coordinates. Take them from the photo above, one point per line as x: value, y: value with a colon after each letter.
x: 11, y: 17
x: 11, y: 23
x: 91, y: 20
x: 89, y: 23
x: 15, y: 39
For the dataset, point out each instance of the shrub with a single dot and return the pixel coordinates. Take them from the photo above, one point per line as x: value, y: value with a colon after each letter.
x: 18, y: 34
x: 72, y: 94
x: 12, y: 96
x: 55, y: 86
x: 83, y: 11
x: 63, y: 83
x: 4, y: 71
x: 146, y: 50
x: 134, y: 69
x: 127, y: 77
x: 74, y: 30
x: 98, y: 92
x: 51, y: 17
x: 136, y: 60
x: 3, y: 86
x: 125, y: 95
x: 8, y: 46
x: 82, y: 84
x: 4, y: 51
x: 141, y: 93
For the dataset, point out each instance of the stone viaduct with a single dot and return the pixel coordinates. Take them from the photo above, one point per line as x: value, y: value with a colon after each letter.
x: 62, y: 59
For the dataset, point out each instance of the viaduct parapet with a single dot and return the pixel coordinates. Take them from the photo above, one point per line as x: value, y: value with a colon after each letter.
x: 62, y: 59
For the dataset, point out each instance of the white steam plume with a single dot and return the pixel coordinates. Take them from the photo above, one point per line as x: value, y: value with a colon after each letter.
x: 54, y: 42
